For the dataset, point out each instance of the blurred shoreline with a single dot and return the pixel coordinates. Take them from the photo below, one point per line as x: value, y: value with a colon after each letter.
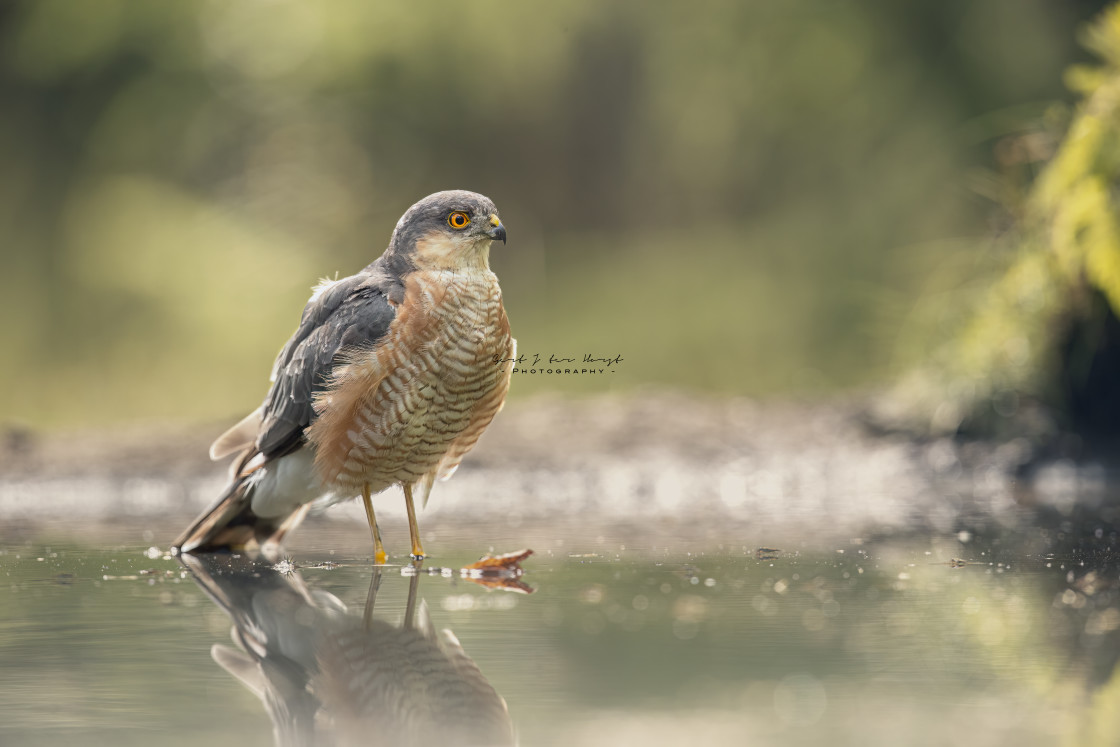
x: 653, y: 468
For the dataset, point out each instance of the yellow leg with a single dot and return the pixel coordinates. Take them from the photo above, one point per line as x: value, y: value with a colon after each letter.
x: 379, y: 556
x: 410, y: 607
x: 413, y: 529
x: 371, y: 597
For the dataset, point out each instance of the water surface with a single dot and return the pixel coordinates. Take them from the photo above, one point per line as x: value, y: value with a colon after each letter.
x: 997, y: 637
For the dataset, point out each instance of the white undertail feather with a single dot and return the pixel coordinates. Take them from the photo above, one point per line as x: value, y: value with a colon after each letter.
x: 283, y: 485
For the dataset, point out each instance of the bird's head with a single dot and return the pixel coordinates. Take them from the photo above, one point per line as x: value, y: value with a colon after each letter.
x: 448, y: 231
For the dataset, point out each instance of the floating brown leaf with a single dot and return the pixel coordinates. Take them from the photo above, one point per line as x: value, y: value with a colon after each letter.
x: 499, y: 571
x: 509, y: 562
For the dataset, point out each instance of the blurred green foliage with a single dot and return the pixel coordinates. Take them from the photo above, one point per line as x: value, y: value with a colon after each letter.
x: 742, y: 197
x: 1034, y: 345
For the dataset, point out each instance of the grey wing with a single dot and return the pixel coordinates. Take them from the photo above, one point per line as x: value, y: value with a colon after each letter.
x: 353, y: 313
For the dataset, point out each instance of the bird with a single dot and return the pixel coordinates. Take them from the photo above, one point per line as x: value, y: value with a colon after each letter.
x: 390, y: 379
x: 328, y: 674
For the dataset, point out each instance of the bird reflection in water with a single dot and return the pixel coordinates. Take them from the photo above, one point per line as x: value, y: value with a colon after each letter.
x: 330, y: 676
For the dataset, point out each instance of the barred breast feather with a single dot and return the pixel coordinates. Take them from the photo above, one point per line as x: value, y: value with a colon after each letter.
x: 408, y: 409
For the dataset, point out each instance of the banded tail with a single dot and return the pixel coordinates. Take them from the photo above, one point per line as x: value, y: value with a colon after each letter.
x: 231, y: 524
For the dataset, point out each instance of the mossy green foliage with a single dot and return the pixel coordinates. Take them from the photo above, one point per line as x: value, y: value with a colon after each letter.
x: 1023, y: 344
x: 1075, y: 200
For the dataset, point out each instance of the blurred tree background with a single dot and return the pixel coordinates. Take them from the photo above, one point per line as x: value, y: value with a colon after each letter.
x: 738, y: 197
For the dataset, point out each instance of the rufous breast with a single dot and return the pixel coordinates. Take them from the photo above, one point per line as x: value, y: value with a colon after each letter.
x: 425, y: 392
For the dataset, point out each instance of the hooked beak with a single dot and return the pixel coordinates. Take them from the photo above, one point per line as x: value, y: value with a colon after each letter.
x: 498, y: 231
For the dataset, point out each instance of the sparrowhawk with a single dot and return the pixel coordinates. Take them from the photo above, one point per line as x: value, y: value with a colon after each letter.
x: 390, y: 379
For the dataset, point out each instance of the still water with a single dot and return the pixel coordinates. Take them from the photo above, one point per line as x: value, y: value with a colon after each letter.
x: 1004, y: 637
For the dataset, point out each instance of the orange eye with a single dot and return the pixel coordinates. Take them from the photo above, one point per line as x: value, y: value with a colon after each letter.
x: 458, y: 220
